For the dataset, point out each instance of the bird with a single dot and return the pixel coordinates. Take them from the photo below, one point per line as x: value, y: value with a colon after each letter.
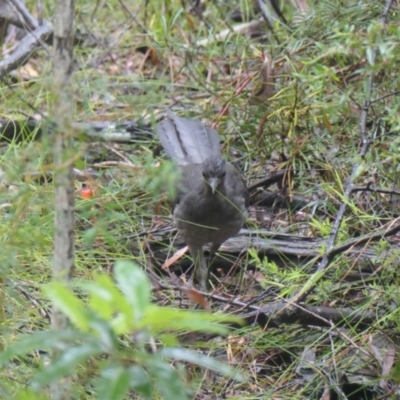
x: 212, y: 197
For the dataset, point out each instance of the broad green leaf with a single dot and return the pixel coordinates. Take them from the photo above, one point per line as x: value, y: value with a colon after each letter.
x: 105, y: 333
x: 43, y: 340
x: 66, y: 364
x: 199, y: 359
x: 113, y: 383
x: 28, y: 394
x: 69, y: 304
x: 105, y: 298
x: 168, y: 340
x: 136, y: 287
x: 121, y: 324
x: 101, y: 295
x: 140, y: 382
x: 169, y: 383
x: 164, y: 318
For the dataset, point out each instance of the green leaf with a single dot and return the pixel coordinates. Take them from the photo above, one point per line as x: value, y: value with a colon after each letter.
x: 113, y: 383
x: 361, y: 168
x: 107, y: 301
x: 367, y: 88
x: 164, y: 318
x: 395, y: 373
x: 255, y: 259
x: 199, y: 359
x: 101, y: 296
x: 121, y: 324
x: 140, y: 382
x: 169, y: 383
x: 371, y: 55
x: 136, y: 287
x: 319, y: 69
x: 168, y: 340
x: 105, y: 298
x: 66, y: 364
x: 69, y: 304
x: 89, y: 237
x: 105, y: 332
x: 42, y: 340
x: 28, y: 394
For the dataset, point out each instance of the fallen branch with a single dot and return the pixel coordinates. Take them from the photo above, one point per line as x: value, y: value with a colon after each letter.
x: 276, y: 314
x: 279, y: 247
x: 125, y: 132
x: 25, y: 49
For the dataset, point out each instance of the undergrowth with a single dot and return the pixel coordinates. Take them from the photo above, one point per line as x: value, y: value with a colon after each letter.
x: 137, y: 60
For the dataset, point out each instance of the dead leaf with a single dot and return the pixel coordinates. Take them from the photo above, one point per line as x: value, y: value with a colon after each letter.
x: 28, y: 70
x: 196, y: 297
x: 174, y: 258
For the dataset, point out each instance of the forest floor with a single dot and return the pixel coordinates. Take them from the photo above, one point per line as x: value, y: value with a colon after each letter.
x: 306, y: 108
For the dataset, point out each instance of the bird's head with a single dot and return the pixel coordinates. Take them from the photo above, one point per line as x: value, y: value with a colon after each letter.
x: 214, y: 171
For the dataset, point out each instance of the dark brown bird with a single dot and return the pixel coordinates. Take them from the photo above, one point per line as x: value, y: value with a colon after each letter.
x: 212, y: 197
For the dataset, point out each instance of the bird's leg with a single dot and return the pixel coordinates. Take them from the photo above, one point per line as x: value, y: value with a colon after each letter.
x: 200, y: 267
x: 213, y: 250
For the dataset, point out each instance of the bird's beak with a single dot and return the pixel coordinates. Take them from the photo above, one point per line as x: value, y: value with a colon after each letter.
x: 213, y: 182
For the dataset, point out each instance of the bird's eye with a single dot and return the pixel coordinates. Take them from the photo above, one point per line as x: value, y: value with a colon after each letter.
x: 223, y: 174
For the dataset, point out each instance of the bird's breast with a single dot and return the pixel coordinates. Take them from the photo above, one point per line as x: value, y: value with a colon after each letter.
x: 207, y: 219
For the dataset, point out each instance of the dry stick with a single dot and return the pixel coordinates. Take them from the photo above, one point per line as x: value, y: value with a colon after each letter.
x: 385, y: 96
x: 329, y: 254
x: 29, y: 20
x: 119, y: 154
x: 282, y: 312
x: 385, y: 12
x: 36, y: 303
x: 275, y: 177
x: 124, y: 132
x: 264, y: 14
x: 238, y: 90
x: 22, y: 54
x: 25, y: 49
x: 133, y: 16
x: 275, y: 314
x: 39, y: 8
x: 241, y: 29
x: 334, y: 329
x: 384, y: 21
x: 7, y: 14
x: 365, y: 239
x: 349, y: 188
x: 375, y: 190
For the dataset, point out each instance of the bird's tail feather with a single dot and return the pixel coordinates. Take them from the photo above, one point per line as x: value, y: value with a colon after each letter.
x: 187, y: 141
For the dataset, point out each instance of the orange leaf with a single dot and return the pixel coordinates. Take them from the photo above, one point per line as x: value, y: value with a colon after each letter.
x: 174, y: 258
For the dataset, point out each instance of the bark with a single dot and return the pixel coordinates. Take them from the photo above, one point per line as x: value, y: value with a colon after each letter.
x: 63, y: 177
